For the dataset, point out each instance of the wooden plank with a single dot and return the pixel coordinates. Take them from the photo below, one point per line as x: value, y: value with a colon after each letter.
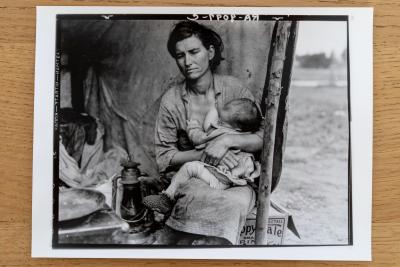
x: 272, y: 100
x: 281, y: 121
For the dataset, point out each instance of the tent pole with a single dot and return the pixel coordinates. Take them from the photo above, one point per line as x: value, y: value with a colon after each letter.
x: 271, y: 99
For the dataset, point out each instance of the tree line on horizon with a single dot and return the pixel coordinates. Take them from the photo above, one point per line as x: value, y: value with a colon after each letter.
x: 321, y: 60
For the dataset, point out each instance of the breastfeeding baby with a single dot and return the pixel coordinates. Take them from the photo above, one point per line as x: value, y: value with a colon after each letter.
x: 239, y: 116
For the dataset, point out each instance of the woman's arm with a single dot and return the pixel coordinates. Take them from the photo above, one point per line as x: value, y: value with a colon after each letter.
x: 245, y: 142
x: 166, y: 139
x: 182, y: 157
x: 217, y: 148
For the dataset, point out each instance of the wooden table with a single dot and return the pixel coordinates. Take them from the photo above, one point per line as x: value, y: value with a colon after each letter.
x: 17, y: 44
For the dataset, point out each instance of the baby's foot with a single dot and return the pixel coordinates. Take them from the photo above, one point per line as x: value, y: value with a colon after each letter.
x: 160, y: 203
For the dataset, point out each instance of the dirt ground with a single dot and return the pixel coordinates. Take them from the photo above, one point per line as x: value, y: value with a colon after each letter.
x: 314, y: 182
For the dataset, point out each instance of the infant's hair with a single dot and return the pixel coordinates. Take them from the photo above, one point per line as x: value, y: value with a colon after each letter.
x: 245, y: 113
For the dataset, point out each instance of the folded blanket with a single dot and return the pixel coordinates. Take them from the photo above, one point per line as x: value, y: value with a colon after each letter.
x: 206, y: 211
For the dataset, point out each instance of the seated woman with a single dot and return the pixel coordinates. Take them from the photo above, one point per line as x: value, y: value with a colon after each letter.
x: 238, y: 116
x: 215, y: 214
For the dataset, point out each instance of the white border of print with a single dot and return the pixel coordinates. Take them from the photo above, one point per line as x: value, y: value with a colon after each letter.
x: 360, y: 34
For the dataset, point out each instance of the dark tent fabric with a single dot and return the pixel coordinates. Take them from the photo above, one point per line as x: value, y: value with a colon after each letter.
x: 121, y: 68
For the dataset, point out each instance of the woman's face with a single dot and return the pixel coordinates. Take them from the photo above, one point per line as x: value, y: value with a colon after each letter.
x: 193, y: 58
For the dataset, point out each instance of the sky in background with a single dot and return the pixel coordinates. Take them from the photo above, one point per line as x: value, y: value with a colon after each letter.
x: 321, y: 36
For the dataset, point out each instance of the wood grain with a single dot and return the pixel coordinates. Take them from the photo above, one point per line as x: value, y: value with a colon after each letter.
x: 17, y: 43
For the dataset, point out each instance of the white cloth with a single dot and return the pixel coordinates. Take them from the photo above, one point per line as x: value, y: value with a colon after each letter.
x: 97, y: 167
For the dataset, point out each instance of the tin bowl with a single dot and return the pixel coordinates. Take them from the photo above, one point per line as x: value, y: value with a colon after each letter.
x: 77, y: 203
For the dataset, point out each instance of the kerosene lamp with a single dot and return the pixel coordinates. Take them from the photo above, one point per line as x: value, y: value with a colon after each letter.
x: 127, y: 195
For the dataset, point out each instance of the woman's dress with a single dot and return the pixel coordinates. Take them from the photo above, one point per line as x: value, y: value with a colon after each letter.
x: 200, y: 209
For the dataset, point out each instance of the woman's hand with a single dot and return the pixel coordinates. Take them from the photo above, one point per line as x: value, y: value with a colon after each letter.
x: 215, y: 150
x: 182, y: 157
x: 230, y: 159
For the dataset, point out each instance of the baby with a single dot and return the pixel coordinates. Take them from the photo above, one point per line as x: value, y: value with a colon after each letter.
x: 238, y: 116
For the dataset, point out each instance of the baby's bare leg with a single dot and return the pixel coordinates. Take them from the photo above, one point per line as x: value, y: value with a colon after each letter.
x: 187, y: 171
x: 197, y: 170
x: 211, y: 180
x: 190, y: 170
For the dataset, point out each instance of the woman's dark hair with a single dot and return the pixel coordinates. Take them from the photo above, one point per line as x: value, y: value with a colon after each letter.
x: 186, y: 29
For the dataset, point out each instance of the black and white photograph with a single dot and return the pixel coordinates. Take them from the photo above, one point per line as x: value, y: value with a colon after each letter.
x: 162, y: 130
x: 201, y: 130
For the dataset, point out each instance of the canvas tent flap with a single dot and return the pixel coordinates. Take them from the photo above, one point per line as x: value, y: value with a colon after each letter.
x: 126, y: 69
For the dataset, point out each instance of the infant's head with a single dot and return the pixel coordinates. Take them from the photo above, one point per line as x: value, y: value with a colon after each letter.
x: 241, y: 114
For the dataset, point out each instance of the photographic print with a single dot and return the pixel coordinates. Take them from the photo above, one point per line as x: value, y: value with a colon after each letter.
x: 215, y: 130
